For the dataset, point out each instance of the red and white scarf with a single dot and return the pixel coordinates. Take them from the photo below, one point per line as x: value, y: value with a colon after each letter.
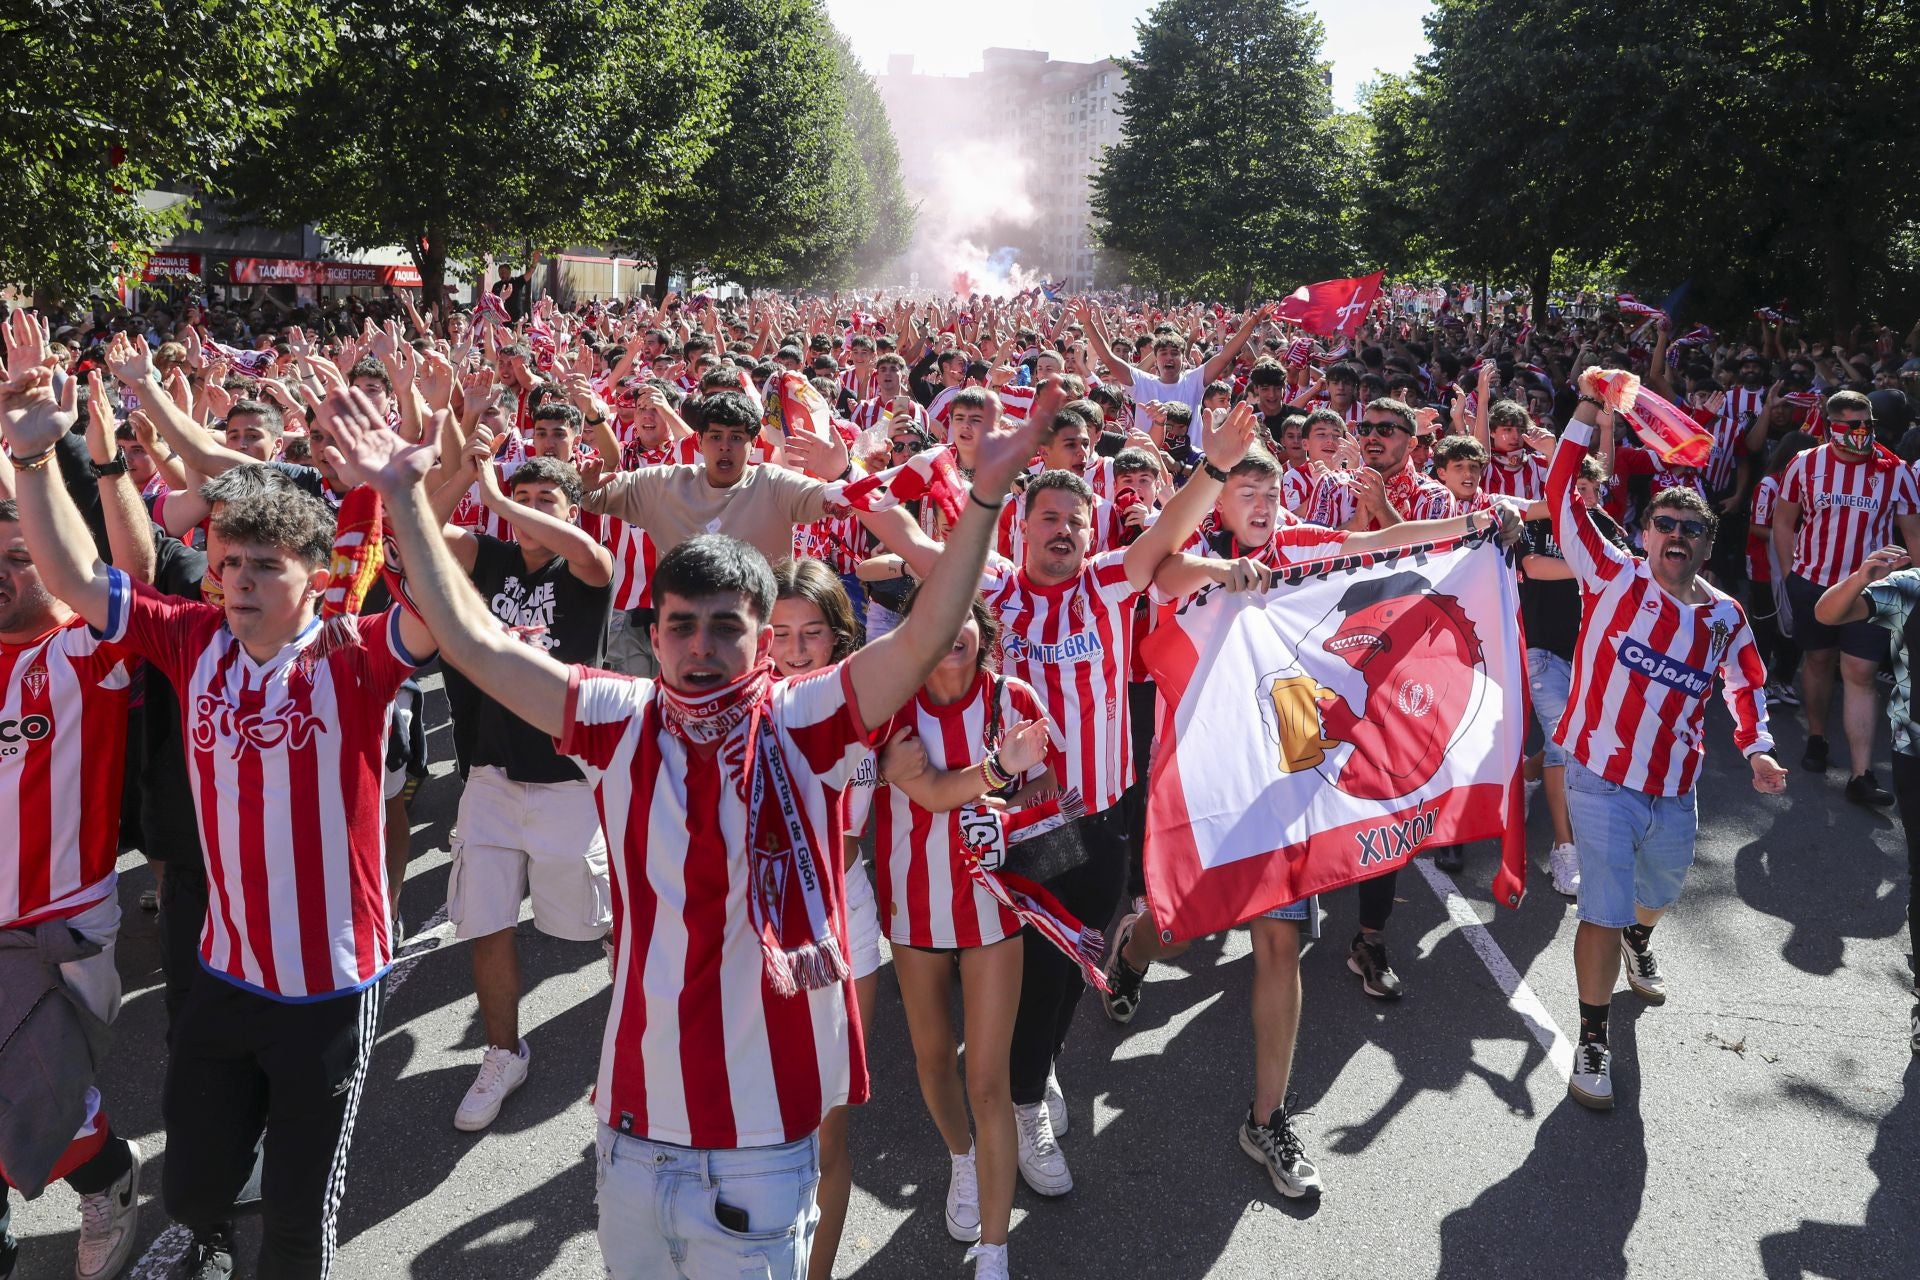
x: 987, y: 834
x: 789, y: 895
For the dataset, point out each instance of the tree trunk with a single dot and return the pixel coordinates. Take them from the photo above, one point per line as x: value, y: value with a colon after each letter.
x: 1542, y: 281
x: 662, y: 270
x: 1843, y: 284
x: 429, y: 254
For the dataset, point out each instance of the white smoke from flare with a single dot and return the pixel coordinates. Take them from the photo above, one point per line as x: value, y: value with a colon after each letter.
x: 979, y: 193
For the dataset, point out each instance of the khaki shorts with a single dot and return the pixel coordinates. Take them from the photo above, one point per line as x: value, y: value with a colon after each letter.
x: 528, y: 838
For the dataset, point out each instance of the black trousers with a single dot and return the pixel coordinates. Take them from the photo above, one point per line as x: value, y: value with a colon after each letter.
x: 243, y: 1065
x: 183, y: 913
x: 1376, y: 899
x: 1906, y: 792
x: 1051, y: 984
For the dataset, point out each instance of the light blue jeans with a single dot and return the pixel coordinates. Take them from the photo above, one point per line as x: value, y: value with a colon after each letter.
x: 661, y: 1208
x: 1550, y: 680
x: 1634, y: 848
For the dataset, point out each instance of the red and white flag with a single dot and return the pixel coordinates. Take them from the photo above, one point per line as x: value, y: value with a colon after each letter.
x: 1363, y: 709
x: 931, y: 473
x: 1332, y: 306
x: 1629, y: 305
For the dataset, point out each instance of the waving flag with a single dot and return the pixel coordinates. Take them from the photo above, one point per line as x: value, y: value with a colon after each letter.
x: 1331, y: 306
x: 931, y: 473
x: 1375, y: 705
x: 1629, y: 305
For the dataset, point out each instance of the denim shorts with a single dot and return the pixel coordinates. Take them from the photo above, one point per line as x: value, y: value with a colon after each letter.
x: 1300, y: 911
x: 668, y: 1211
x: 1550, y: 681
x: 1634, y: 848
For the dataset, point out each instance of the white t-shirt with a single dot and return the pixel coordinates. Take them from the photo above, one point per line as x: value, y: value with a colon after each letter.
x: 1186, y: 390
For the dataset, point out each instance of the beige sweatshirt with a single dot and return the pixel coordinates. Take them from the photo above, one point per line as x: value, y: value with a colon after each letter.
x: 676, y: 503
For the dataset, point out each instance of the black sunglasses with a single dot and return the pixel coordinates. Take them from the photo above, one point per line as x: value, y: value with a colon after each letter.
x: 1376, y: 428
x: 1852, y: 426
x: 1691, y: 529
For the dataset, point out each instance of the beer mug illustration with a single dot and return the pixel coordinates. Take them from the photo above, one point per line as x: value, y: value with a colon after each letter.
x: 1296, y: 712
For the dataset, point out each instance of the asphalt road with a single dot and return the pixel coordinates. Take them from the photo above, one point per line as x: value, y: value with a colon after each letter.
x: 1767, y: 1122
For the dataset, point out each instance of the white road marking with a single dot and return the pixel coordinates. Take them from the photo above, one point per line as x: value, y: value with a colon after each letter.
x: 1520, y: 996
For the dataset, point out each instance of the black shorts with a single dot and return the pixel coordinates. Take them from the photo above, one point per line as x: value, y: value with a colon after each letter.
x: 1863, y: 639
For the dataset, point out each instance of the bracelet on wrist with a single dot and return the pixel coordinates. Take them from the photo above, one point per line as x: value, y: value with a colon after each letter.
x: 973, y: 495
x: 33, y: 462
x: 1596, y: 401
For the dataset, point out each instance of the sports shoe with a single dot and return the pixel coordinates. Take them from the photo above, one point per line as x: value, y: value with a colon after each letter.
x: 108, y: 1221
x: 1592, y: 1082
x: 1866, y: 789
x: 1450, y: 858
x: 1780, y: 694
x: 1643, y: 973
x: 1123, y: 1000
x: 963, y: 1199
x: 1916, y: 1027
x: 1815, y: 759
x: 1565, y: 861
x: 9, y: 1255
x: 209, y: 1257
x: 1056, y: 1103
x: 501, y: 1072
x: 1042, y: 1163
x: 1277, y: 1146
x: 1368, y: 958
x: 990, y: 1261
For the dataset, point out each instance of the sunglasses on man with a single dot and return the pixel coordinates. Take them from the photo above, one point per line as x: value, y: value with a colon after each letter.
x: 1364, y: 429
x: 1693, y: 530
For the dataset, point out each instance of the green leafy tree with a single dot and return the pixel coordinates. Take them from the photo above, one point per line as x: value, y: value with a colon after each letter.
x: 893, y: 211
x: 456, y: 127
x: 1224, y: 181
x: 106, y: 99
x: 782, y: 183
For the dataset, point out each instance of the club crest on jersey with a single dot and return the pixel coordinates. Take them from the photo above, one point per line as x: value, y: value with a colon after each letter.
x: 1720, y: 636
x: 35, y: 680
x: 1419, y: 656
x: 218, y: 721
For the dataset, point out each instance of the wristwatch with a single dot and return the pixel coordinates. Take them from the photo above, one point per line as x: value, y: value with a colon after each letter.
x: 116, y: 467
x: 594, y: 422
x: 1207, y: 466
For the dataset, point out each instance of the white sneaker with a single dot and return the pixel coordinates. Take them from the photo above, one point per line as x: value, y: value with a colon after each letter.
x: 963, y: 1200
x: 1042, y: 1163
x: 990, y: 1261
x: 501, y: 1072
x: 1565, y: 860
x: 1056, y: 1103
x: 1592, y: 1082
x: 108, y: 1222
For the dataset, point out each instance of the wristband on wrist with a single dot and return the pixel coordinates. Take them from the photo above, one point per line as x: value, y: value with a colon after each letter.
x: 1592, y: 400
x: 1206, y: 465
x: 34, y: 462
x: 116, y: 466
x: 973, y: 495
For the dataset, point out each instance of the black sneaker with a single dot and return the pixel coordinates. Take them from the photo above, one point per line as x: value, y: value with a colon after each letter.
x: 1866, y: 789
x: 1815, y: 760
x: 1369, y: 959
x: 1916, y: 1048
x: 209, y: 1257
x: 1122, y: 1001
x: 1275, y: 1145
x: 1450, y: 858
x: 10, y: 1250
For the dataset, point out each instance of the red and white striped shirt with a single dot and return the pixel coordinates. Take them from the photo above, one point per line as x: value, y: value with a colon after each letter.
x: 699, y: 1050
x: 1645, y: 663
x: 63, y: 741
x: 1073, y: 643
x: 857, y: 381
x: 1296, y: 490
x: 927, y: 898
x: 871, y: 413
x: 1413, y: 494
x: 1729, y: 431
x: 1760, y: 530
x: 1847, y: 509
x: 1528, y: 481
x: 287, y: 759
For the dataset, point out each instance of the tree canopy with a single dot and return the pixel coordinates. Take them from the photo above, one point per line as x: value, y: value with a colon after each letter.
x: 1221, y: 181
x: 105, y: 99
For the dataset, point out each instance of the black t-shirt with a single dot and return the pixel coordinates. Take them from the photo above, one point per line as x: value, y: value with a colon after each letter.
x: 552, y: 610
x: 1550, y: 607
x: 168, y: 823
x: 306, y: 479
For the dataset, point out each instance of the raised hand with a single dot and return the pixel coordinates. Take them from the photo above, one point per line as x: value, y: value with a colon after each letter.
x: 130, y: 362
x: 1540, y: 440
x: 1885, y: 561
x: 1024, y: 748
x: 1226, y: 441
x: 366, y: 451
x: 33, y: 417
x: 99, y: 419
